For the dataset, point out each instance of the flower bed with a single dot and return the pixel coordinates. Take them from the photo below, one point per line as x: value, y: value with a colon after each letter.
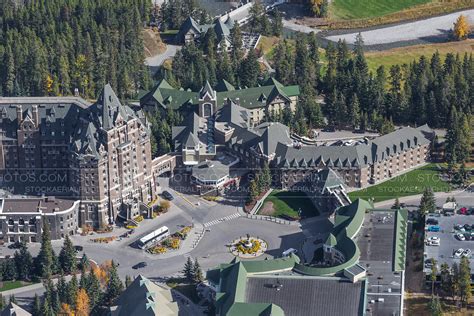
x: 157, y: 249
x: 105, y: 240
x: 256, y: 246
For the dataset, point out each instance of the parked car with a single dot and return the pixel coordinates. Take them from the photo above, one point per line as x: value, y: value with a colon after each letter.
x: 467, y: 227
x: 167, y: 195
x: 140, y: 265
x: 429, y: 263
x: 432, y: 221
x: 458, y: 253
x: 460, y: 237
x: 466, y: 253
x: 463, y: 211
x: 433, y: 241
x: 434, y: 228
x: 78, y: 248
x: 458, y: 226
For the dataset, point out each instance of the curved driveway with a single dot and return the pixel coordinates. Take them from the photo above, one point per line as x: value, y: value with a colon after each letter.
x: 427, y: 29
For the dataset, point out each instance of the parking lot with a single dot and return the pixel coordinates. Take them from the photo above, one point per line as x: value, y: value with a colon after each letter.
x: 448, y: 242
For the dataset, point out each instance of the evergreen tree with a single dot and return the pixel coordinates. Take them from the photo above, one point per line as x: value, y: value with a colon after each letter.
x: 249, y: 70
x: 197, y: 272
x: 37, y: 306
x: 253, y: 190
x: 72, y: 289
x: 67, y: 256
x: 277, y: 23
x: 427, y: 203
x: 236, y: 46
x: 9, y: 270
x: 114, y: 285
x: 93, y: 290
x: 433, y: 275
x: 396, y: 205
x: 24, y: 262
x: 62, y: 288
x: 465, y: 287
x: 45, y: 259
x: 188, y: 270
x: 435, y: 306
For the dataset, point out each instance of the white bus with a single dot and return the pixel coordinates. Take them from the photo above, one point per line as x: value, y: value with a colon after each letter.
x: 155, y: 236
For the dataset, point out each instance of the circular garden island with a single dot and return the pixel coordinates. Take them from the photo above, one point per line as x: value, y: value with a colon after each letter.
x: 248, y: 247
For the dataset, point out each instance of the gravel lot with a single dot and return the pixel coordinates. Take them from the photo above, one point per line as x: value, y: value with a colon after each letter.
x: 427, y: 30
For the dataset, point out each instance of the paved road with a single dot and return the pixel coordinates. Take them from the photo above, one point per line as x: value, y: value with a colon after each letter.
x: 427, y: 30
x: 158, y: 60
x: 289, y: 24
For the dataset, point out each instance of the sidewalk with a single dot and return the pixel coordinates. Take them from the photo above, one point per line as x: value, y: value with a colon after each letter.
x: 415, y: 197
x: 33, y: 287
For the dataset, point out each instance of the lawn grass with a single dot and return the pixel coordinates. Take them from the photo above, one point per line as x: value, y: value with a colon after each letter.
x: 406, y: 55
x: 10, y: 285
x: 287, y: 204
x: 359, y: 9
x: 410, y: 183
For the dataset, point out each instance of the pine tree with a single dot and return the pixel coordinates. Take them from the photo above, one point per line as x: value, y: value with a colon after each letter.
x: 188, y: 270
x: 62, y: 288
x: 249, y: 70
x: 277, y: 23
x: 427, y: 203
x: 114, y: 285
x: 45, y: 259
x: 84, y: 263
x: 67, y: 256
x: 37, y: 306
x: 24, y: 262
x: 93, y: 290
x: 396, y: 205
x: 465, y: 288
x: 197, y: 272
x: 72, y: 289
x: 433, y: 275
x: 435, y: 306
x: 253, y: 191
x: 236, y: 46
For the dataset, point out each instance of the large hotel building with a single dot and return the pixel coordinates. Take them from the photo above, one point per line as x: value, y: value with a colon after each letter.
x: 98, y: 154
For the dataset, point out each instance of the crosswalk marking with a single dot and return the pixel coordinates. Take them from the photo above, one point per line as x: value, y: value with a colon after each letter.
x: 223, y: 219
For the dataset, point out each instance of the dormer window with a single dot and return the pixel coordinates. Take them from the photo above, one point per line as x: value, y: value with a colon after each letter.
x: 415, y: 140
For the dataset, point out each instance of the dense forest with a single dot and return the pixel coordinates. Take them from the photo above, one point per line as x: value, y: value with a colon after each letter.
x: 52, y: 47
x: 425, y: 91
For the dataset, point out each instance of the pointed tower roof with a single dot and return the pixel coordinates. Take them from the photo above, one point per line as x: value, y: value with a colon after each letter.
x: 207, y: 89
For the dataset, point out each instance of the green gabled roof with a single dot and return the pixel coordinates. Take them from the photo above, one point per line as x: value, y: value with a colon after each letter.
x: 255, y: 309
x: 400, y: 239
x: 224, y: 85
x: 278, y: 264
x: 331, y: 240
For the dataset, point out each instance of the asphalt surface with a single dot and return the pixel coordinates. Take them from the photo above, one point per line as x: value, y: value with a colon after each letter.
x: 431, y: 29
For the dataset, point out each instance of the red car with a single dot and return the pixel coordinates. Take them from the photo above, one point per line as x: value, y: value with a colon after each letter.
x: 463, y: 211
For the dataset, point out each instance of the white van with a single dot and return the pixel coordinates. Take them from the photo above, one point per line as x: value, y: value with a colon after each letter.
x: 289, y: 251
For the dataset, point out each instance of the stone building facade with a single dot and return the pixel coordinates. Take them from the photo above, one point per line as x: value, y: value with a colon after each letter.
x: 294, y: 164
x: 21, y: 219
x: 97, y: 153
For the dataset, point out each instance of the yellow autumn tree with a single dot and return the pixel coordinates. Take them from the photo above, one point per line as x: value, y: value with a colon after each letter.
x: 165, y: 205
x: 316, y: 7
x: 48, y: 84
x: 66, y: 310
x: 82, y: 303
x: 461, y: 28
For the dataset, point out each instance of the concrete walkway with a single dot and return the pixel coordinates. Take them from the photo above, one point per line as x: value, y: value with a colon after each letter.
x: 158, y: 60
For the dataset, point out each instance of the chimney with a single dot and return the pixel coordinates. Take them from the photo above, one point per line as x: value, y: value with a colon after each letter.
x: 19, y: 114
x: 35, y: 115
